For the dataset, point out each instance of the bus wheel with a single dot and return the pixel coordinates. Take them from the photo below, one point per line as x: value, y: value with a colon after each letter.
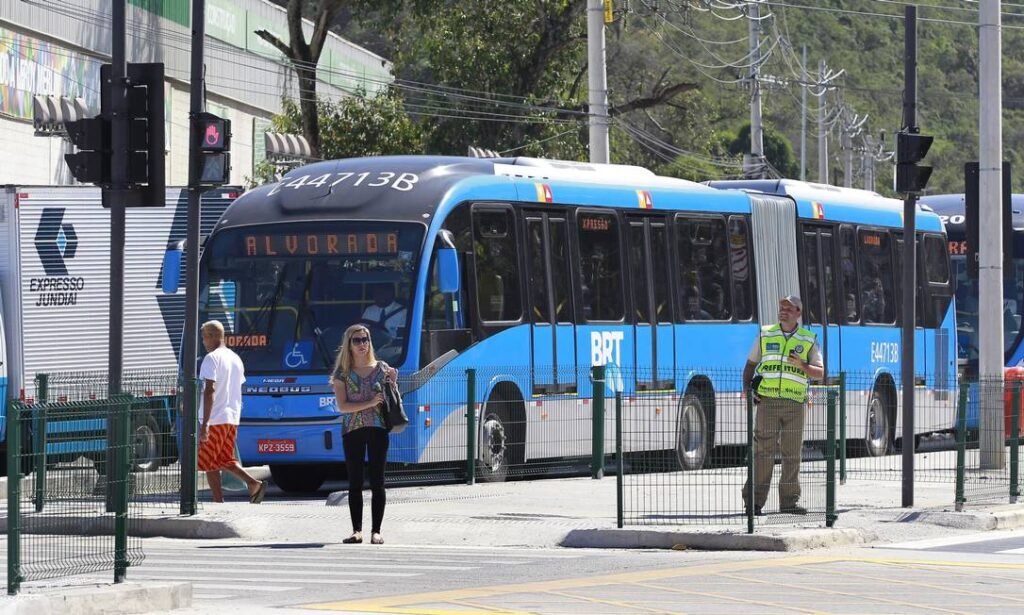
x: 692, y: 436
x: 878, y: 440
x: 145, y: 444
x: 298, y: 478
x: 493, y: 459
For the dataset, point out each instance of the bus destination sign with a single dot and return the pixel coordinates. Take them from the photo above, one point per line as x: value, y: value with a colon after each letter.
x: 320, y: 244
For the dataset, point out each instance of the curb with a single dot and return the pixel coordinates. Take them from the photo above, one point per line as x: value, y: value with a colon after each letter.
x: 994, y: 519
x: 651, y: 539
x: 166, y: 527
x: 99, y: 600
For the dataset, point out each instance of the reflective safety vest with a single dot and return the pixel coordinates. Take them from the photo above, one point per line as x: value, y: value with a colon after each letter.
x: 780, y: 379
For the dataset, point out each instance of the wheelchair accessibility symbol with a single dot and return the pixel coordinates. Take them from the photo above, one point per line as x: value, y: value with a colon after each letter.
x: 298, y: 355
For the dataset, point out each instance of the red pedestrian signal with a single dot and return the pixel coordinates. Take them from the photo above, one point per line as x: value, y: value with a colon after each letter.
x: 212, y: 147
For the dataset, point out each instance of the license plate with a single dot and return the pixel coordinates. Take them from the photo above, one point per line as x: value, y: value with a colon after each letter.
x: 275, y: 446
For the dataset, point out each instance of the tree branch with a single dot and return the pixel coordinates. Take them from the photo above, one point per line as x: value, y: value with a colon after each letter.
x: 276, y: 42
x: 659, y: 96
x: 328, y: 10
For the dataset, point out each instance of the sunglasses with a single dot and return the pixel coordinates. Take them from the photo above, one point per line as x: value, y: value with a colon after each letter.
x: 360, y: 340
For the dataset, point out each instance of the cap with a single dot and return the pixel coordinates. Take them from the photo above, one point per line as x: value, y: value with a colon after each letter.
x: 793, y: 299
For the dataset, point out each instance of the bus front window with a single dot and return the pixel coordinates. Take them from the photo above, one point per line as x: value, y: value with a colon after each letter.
x: 286, y: 295
x: 967, y: 293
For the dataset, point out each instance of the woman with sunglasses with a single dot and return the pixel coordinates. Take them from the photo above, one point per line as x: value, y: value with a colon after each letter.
x: 357, y: 378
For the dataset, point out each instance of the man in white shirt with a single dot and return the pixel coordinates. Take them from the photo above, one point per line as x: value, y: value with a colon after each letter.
x: 221, y: 411
x: 385, y: 313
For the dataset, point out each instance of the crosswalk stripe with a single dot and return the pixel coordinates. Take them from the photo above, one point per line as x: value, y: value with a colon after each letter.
x: 225, y: 573
x: 330, y: 564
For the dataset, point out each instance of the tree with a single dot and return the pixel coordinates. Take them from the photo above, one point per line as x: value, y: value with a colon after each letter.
x: 353, y: 127
x: 510, y: 76
x: 777, y: 150
x: 304, y: 56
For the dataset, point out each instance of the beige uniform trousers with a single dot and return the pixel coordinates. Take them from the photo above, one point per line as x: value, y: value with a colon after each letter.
x: 777, y: 420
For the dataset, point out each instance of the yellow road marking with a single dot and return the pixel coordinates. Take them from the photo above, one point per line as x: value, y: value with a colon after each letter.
x: 626, y: 605
x: 406, y: 603
x: 739, y: 599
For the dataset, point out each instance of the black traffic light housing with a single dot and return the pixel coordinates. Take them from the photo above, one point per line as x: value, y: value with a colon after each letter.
x: 146, y: 136
x: 91, y: 163
x: 212, y: 148
x: 911, y: 148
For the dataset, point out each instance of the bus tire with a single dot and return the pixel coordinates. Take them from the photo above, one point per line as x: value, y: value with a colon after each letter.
x: 500, y: 444
x: 146, y: 444
x: 878, y: 439
x: 298, y: 478
x: 693, y: 433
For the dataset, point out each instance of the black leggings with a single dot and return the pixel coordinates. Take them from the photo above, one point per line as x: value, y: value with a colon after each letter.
x: 358, y: 443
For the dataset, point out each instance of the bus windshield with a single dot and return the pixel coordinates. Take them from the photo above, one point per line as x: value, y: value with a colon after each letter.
x: 967, y: 308
x: 286, y: 294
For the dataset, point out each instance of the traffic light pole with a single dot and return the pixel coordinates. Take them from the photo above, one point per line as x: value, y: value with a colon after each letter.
x: 191, y: 332
x: 119, y: 183
x: 909, y: 259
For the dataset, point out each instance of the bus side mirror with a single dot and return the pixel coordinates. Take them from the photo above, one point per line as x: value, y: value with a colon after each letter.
x: 448, y: 270
x: 170, y: 277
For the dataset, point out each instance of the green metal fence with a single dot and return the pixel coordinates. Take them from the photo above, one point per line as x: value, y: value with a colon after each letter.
x: 82, y: 467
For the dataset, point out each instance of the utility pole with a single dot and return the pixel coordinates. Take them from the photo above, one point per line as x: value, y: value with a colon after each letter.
x: 868, y: 163
x: 755, y: 167
x: 803, y: 116
x: 190, y: 335
x: 822, y: 130
x: 846, y: 144
x: 597, y: 80
x: 990, y: 252
x: 119, y: 186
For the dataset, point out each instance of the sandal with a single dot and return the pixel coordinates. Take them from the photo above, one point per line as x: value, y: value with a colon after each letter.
x: 376, y: 539
x: 355, y: 539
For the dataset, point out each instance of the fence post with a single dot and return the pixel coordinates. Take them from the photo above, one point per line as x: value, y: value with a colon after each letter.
x: 751, y: 504
x: 14, y: 498
x: 187, y: 455
x: 122, y: 410
x: 961, y: 445
x: 842, y: 428
x: 39, y: 437
x: 830, y: 460
x: 620, y: 466
x: 597, y: 435
x: 1015, y: 443
x: 470, y: 426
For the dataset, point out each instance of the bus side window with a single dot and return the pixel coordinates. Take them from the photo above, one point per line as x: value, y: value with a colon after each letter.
x: 497, y: 266
x: 739, y: 260
x: 876, y: 279
x: 847, y: 264
x: 935, y: 255
x: 703, y: 254
x: 600, y: 266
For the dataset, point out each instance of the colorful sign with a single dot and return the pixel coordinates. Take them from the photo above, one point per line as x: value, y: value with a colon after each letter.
x: 29, y: 66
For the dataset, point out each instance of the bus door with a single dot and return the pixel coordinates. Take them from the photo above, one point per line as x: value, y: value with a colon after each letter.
x: 821, y: 304
x: 553, y: 332
x: 651, y: 303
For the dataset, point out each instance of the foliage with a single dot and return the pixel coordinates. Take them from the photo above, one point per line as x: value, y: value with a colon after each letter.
x: 352, y: 127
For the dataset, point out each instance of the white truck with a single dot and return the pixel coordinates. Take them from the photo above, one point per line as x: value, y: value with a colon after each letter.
x: 54, y: 295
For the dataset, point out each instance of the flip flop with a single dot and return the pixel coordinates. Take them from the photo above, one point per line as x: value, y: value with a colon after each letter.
x: 376, y: 539
x: 353, y: 540
x: 261, y: 491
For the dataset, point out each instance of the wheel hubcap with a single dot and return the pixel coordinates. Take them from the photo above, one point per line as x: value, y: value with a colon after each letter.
x: 494, y: 443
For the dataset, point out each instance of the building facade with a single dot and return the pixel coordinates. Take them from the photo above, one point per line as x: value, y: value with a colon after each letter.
x: 57, y: 48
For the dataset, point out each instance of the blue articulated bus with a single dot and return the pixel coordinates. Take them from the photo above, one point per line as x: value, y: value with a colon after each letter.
x: 531, y: 271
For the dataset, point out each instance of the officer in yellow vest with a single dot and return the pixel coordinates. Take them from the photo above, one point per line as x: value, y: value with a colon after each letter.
x: 784, y: 357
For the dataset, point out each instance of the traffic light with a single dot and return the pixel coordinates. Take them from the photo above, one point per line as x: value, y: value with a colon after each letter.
x: 212, y: 149
x: 911, y: 178
x: 146, y: 138
x: 91, y: 164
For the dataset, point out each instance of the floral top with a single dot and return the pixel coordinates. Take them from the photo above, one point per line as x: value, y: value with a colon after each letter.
x: 358, y: 388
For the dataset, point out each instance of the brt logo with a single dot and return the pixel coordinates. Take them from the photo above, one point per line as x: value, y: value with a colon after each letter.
x: 606, y: 347
x: 55, y: 241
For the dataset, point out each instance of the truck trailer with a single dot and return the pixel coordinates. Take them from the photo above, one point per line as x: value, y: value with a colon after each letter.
x: 55, y: 310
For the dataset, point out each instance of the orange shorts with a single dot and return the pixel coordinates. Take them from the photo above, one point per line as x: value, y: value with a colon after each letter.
x: 219, y: 449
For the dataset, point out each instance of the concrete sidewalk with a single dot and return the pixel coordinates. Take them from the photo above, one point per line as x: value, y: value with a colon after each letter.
x: 572, y: 512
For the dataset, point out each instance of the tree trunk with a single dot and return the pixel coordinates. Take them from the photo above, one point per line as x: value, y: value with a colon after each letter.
x: 307, y: 104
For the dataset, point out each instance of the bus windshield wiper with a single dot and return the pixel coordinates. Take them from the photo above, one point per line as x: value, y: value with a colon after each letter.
x: 270, y: 305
